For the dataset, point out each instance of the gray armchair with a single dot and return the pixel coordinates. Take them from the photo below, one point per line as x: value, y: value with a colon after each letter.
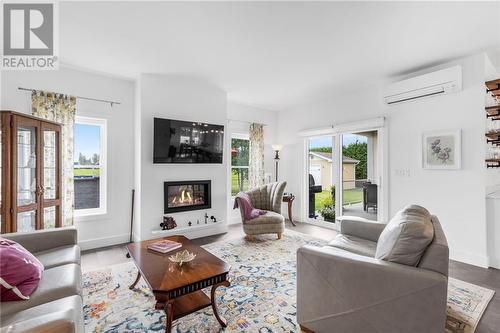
x: 56, y: 305
x: 343, y: 288
x: 266, y: 197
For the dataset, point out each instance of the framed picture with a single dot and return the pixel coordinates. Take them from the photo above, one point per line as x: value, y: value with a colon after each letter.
x: 442, y: 149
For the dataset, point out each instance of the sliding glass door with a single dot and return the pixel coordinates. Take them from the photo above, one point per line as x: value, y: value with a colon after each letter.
x: 359, y: 185
x: 343, y: 176
x: 320, y: 179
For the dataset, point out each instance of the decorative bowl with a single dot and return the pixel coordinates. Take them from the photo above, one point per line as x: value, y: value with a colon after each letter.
x: 182, y: 257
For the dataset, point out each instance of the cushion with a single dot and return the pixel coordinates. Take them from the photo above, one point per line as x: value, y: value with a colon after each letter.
x: 20, y: 271
x: 354, y: 244
x: 406, y: 236
x: 268, y: 218
x: 48, y: 316
x: 436, y: 257
x: 56, y: 283
x: 59, y: 256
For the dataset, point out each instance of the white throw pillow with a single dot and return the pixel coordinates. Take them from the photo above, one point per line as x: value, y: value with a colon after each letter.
x: 406, y: 236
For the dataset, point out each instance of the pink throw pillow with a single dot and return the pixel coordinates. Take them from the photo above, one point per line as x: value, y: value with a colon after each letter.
x: 20, y: 271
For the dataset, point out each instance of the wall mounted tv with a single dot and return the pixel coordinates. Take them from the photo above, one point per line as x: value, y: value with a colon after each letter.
x: 177, y: 141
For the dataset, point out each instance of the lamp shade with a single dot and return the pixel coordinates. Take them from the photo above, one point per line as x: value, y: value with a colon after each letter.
x: 277, y: 147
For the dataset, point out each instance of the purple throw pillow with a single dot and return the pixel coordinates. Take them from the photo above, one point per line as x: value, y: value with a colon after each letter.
x: 20, y: 271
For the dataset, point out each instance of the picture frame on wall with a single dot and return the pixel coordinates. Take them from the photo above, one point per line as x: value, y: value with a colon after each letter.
x: 442, y: 149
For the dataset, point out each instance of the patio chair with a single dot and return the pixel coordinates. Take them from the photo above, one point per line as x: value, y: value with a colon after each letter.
x: 370, y: 196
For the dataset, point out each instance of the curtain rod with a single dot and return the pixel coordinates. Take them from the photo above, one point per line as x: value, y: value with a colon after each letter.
x: 245, y: 121
x: 111, y: 103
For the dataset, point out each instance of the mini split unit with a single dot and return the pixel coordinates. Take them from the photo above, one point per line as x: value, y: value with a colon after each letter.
x: 441, y: 82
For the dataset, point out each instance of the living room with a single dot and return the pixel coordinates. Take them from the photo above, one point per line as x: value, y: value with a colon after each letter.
x: 273, y: 141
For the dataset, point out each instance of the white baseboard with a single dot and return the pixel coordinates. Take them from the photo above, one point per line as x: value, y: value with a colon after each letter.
x: 469, y: 258
x: 104, y: 241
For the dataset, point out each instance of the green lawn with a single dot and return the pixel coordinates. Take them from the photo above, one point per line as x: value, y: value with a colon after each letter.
x: 86, y: 172
x: 350, y: 196
x: 234, y: 184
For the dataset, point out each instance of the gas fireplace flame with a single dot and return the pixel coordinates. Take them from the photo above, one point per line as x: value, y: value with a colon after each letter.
x: 185, y: 195
x: 184, y: 198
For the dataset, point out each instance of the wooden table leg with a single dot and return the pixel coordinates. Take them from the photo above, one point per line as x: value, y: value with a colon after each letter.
x: 290, y: 217
x: 169, y: 314
x: 132, y: 286
x: 221, y: 320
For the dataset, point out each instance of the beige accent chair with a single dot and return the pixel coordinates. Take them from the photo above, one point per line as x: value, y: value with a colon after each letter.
x: 267, y: 197
x: 56, y: 305
x: 343, y: 288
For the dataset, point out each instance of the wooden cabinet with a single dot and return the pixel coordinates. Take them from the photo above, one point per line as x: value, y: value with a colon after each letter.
x: 31, y: 173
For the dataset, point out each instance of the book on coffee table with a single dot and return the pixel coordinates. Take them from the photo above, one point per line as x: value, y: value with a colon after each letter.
x: 164, y: 246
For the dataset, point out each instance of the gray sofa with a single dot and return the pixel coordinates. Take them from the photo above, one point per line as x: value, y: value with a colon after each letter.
x: 343, y: 288
x: 56, y: 305
x: 266, y: 197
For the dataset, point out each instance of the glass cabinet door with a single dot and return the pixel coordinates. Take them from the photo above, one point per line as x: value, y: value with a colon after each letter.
x: 50, y: 177
x: 30, y: 173
x: 26, y: 170
x: 26, y: 221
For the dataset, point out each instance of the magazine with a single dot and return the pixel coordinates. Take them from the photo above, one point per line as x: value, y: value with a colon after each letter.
x: 164, y: 246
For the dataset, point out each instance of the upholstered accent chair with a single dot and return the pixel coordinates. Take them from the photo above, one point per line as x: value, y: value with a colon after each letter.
x: 266, y: 197
x: 342, y: 287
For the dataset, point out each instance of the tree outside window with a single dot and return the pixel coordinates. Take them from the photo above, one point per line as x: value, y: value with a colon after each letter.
x: 240, y: 157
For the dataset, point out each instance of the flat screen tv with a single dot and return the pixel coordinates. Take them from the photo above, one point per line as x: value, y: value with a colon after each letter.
x: 177, y: 141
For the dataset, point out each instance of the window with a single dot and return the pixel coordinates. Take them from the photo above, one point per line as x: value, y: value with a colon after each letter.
x: 240, y: 156
x: 90, y: 166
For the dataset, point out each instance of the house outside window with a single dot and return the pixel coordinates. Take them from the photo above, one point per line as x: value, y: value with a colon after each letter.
x: 240, y: 157
x: 90, y: 166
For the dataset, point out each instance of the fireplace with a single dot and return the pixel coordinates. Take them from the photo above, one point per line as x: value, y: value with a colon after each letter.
x: 181, y: 196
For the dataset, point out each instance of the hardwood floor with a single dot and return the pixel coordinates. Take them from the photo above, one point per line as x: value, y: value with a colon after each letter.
x: 488, y: 278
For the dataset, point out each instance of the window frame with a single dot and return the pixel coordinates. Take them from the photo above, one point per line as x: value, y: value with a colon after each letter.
x: 241, y: 136
x: 103, y: 162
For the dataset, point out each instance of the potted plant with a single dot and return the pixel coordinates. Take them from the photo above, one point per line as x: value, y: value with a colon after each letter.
x: 328, y: 213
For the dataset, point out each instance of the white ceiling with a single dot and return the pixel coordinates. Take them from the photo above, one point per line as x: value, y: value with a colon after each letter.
x: 275, y: 54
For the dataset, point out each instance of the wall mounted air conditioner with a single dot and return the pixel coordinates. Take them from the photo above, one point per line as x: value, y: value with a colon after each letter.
x: 441, y: 82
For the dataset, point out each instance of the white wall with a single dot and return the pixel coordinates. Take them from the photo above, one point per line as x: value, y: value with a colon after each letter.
x: 240, y: 116
x: 183, y: 98
x: 113, y: 227
x: 457, y: 197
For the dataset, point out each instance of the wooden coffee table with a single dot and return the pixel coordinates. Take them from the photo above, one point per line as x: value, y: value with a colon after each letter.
x: 178, y: 289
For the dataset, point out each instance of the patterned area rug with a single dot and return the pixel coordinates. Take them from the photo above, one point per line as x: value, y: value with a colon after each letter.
x: 261, y: 297
x: 466, y: 304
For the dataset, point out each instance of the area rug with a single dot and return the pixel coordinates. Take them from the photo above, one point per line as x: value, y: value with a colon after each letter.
x: 261, y: 297
x: 466, y: 304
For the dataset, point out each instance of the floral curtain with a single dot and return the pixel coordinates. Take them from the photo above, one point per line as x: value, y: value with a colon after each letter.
x: 60, y: 108
x: 256, y: 167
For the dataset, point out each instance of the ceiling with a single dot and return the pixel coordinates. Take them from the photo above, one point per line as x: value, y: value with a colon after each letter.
x: 275, y: 54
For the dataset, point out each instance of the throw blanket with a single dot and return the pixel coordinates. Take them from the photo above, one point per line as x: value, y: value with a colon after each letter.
x: 243, y: 201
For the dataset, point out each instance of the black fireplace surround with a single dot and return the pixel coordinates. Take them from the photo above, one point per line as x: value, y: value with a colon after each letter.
x: 181, y: 196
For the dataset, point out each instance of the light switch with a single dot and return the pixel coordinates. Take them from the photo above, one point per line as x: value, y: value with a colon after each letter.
x: 402, y: 172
